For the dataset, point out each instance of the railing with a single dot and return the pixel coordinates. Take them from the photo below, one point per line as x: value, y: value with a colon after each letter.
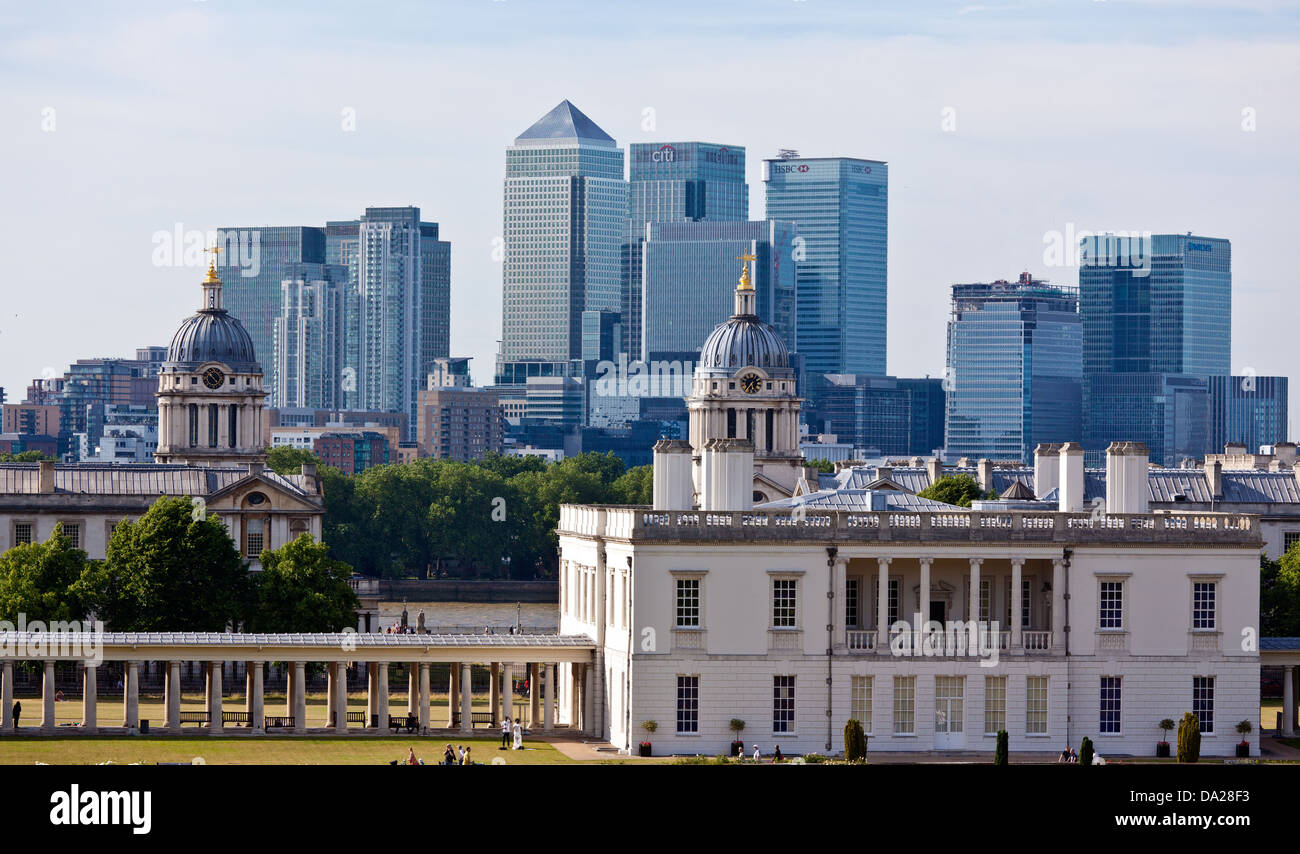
x: 639, y: 523
x: 860, y: 640
x: 945, y: 643
x: 1036, y: 641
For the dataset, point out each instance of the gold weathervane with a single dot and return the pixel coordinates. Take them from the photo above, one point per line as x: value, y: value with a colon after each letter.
x: 745, y: 284
x: 212, y: 265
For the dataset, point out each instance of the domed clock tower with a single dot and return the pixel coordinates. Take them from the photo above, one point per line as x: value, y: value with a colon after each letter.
x: 744, y: 389
x: 210, y: 392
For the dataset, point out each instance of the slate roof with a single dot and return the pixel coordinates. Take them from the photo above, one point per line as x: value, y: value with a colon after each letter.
x: 143, y: 479
x: 1279, y: 644
x: 864, y: 500
x: 565, y: 122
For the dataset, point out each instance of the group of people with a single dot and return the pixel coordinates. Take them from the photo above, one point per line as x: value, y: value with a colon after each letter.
x: 512, y: 735
x: 458, y: 756
x: 777, y: 755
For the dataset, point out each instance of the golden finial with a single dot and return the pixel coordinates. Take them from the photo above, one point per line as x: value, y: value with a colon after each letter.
x: 745, y: 284
x: 212, y: 266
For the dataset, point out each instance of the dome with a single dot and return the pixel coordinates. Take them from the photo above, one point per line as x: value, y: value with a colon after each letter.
x: 213, y: 335
x: 744, y: 341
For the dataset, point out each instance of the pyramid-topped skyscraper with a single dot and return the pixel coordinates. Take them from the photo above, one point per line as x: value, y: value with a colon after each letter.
x: 565, y: 221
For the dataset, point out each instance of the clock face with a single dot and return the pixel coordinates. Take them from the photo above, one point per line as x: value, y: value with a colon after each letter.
x: 213, y: 378
x: 751, y: 383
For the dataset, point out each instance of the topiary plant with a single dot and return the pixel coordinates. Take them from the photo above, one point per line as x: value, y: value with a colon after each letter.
x: 855, y: 741
x: 1085, y: 751
x: 1189, y: 738
x: 1000, y: 756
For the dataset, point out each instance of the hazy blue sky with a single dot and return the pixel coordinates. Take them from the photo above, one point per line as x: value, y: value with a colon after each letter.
x: 1072, y: 114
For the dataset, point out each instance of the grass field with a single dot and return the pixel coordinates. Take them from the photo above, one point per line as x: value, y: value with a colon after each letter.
x: 218, y: 750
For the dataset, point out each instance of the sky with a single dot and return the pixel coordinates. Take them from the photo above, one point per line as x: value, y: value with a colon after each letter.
x: 1003, y: 123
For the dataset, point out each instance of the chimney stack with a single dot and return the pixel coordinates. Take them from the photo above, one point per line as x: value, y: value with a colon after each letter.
x: 46, y: 476
x: 1284, y: 452
x: 729, y: 474
x: 1214, y: 477
x: 984, y: 474
x: 1070, y: 479
x: 1047, y: 468
x: 1126, y: 477
x: 672, y: 475
x: 934, y: 467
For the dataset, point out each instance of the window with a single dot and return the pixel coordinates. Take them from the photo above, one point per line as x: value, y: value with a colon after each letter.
x: 1026, y: 586
x: 688, y: 603
x: 851, y: 603
x: 784, y: 593
x: 783, y: 704
x: 212, y: 425
x: 860, y: 702
x: 233, y: 424
x: 688, y: 705
x: 1110, y: 705
x: 1289, y: 539
x: 22, y: 533
x: 1203, y: 702
x: 254, y: 544
x: 1111, y: 614
x: 986, y: 600
x: 1036, y: 705
x: 72, y: 530
x: 904, y: 705
x: 995, y: 704
x: 194, y: 425
x: 893, y: 601
x: 1203, y: 613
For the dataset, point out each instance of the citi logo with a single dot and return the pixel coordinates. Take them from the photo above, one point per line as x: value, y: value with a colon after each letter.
x: 74, y: 807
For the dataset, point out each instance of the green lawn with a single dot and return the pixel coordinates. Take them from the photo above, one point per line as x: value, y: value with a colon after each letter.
x: 229, y: 750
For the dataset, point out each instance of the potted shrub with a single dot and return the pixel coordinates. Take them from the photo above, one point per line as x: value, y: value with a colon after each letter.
x: 1162, y: 747
x: 649, y: 727
x: 1000, y: 756
x: 737, y: 743
x: 1189, y: 738
x: 855, y: 741
x: 1243, y: 749
x: 1085, y: 751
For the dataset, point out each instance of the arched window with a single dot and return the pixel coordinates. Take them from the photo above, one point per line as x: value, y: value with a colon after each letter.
x: 212, y: 425
x: 234, y: 425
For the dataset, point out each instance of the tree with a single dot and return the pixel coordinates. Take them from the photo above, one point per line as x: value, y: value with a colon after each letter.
x: 1000, y: 756
x: 43, y: 581
x: 24, y: 457
x: 283, y: 459
x: 301, y: 589
x: 508, y: 467
x: 1189, y: 738
x: 957, y: 489
x: 1085, y: 751
x: 473, y: 516
x: 172, y: 570
x: 1279, y: 594
x: 634, y: 486
x: 822, y: 465
x: 855, y: 741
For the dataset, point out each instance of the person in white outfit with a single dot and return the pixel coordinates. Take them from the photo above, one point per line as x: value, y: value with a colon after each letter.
x: 519, y: 736
x: 756, y: 753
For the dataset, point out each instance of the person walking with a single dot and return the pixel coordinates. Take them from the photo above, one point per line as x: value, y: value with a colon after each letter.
x: 467, y: 760
x: 18, y: 710
x: 460, y: 759
x: 777, y: 757
x: 449, y: 756
x: 505, y: 733
x: 757, y: 756
x: 410, y: 757
x: 518, y: 733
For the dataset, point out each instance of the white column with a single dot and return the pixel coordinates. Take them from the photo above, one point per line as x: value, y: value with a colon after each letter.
x: 841, y: 582
x: 453, y: 693
x: 7, y: 697
x: 89, y: 701
x: 1016, y: 603
x: 47, y: 698
x: 882, y: 603
x: 331, y: 693
x: 548, y: 697
x: 341, y: 696
x: 173, y: 696
x: 258, y: 692
x: 412, y: 687
x: 372, y: 693
x: 131, y: 696
x: 1288, y: 700
x: 381, y: 702
x: 507, y: 687
x: 1058, y: 604
x: 466, y: 701
x: 299, y: 698
x: 974, y: 611
x: 923, y: 594
x: 214, y: 713
x: 494, y: 693
x: 424, y: 696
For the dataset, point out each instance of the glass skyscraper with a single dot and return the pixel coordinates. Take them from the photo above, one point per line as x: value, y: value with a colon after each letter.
x: 309, y: 337
x: 676, y: 182
x: 839, y: 206
x: 251, y: 292
x: 1157, y: 323
x: 1014, y: 375
x: 565, y: 225
x: 878, y: 415
x: 1247, y: 410
x: 689, y: 281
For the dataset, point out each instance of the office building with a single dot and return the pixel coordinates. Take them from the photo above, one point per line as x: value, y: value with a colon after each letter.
x: 878, y: 415
x: 458, y: 422
x: 1013, y: 367
x: 309, y: 337
x: 1157, y: 323
x: 1248, y: 410
x: 564, y: 227
x: 839, y: 206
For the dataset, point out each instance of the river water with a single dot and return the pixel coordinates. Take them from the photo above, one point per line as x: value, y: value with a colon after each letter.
x: 473, y: 616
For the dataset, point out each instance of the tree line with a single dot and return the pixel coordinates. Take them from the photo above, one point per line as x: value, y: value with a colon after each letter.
x: 175, y: 570
x: 490, y: 518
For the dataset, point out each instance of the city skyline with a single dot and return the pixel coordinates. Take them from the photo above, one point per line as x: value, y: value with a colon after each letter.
x: 954, y: 215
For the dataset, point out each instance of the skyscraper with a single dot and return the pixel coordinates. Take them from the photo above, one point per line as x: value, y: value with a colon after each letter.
x: 688, y: 281
x: 252, y: 268
x: 309, y: 337
x: 677, y: 182
x: 1157, y: 323
x: 839, y: 206
x: 1013, y: 369
x: 1247, y: 410
x: 564, y: 227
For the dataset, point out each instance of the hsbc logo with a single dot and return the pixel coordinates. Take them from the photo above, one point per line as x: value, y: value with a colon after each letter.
x: 782, y: 169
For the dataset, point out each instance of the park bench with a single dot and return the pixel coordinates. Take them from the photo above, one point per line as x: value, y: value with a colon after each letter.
x: 356, y: 717
x: 475, y: 718
x: 410, y: 723
x: 236, y: 718
x: 194, y: 717
x: 278, y: 722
